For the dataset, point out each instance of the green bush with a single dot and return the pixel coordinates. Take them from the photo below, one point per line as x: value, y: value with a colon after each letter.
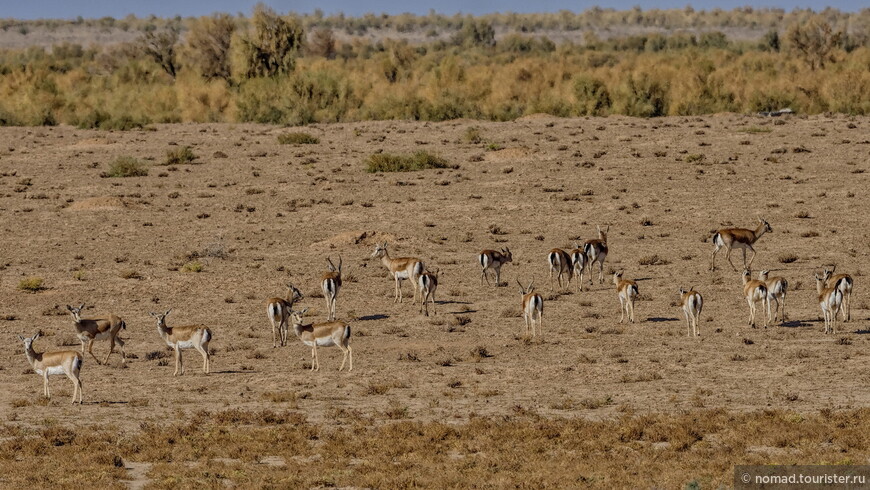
x: 297, y: 139
x: 31, y: 284
x: 126, y: 167
x: 193, y: 266
x: 592, y: 95
x: 420, y: 160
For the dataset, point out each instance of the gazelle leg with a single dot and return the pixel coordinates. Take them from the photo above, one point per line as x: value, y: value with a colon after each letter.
x: 111, y: 348
x: 91, y: 350
x: 750, y: 258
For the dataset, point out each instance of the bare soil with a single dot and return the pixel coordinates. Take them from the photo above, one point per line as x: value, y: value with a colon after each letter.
x: 257, y: 214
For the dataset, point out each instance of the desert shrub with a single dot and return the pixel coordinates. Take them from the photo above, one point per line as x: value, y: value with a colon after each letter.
x: 297, y: 139
x: 419, y: 160
x: 99, y: 119
x: 208, y: 45
x: 193, y: 266
x: 643, y: 96
x: 272, y: 48
x: 179, y: 156
x: 126, y: 167
x: 592, y: 96
x: 31, y: 284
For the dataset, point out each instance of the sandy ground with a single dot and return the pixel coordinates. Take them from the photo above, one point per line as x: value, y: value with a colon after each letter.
x: 275, y: 212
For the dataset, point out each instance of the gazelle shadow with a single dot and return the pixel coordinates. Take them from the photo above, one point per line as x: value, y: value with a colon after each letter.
x: 373, y: 317
x: 661, y: 319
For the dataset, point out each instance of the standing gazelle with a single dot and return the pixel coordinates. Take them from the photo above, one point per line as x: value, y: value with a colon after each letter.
x: 278, y: 310
x: 560, y: 263
x: 323, y: 335
x: 101, y: 328
x: 533, y: 309
x: 493, y: 260
x: 843, y: 282
x: 578, y: 260
x: 186, y: 337
x: 331, y: 283
x: 692, y: 302
x: 628, y: 293
x: 777, y: 287
x: 428, y: 283
x: 755, y: 291
x: 741, y: 238
x: 596, y: 252
x: 830, y: 300
x: 67, y: 362
x: 400, y: 269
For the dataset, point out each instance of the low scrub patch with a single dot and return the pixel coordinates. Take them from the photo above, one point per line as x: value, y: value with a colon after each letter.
x: 297, y: 139
x: 420, y: 160
x: 126, y: 167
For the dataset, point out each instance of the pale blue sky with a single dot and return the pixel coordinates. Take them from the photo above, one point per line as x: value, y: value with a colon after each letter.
x: 67, y: 9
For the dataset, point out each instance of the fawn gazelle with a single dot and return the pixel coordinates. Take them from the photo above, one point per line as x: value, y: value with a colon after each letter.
x: 533, y: 309
x: 843, y: 282
x: 830, y: 300
x: 101, y: 328
x: 323, y: 335
x: 692, y: 302
x: 400, y: 269
x: 755, y: 291
x: 428, y: 283
x: 186, y: 337
x: 493, y: 260
x: 278, y: 310
x: 578, y: 260
x: 627, y: 290
x: 777, y: 287
x: 741, y: 238
x: 331, y: 283
x: 67, y: 362
x: 560, y: 263
x: 596, y: 252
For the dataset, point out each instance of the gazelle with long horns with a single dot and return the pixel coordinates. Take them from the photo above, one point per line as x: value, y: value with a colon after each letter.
x: 692, y: 302
x: 331, y: 283
x: 493, y: 260
x: 533, y: 309
x: 278, y: 310
x: 596, y: 252
x: 741, y: 238
x: 844, y: 283
x: 400, y: 269
x: 186, y: 337
x: 68, y: 362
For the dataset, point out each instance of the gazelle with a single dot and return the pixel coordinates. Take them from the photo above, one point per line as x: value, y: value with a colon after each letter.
x: 777, y: 287
x: 843, y: 282
x: 331, y: 283
x: 533, y: 309
x: 596, y: 252
x: 560, y: 263
x: 578, y: 259
x: 400, y: 269
x: 493, y: 260
x: 186, y: 337
x: 742, y: 238
x: 692, y: 302
x: 278, y: 310
x: 755, y: 291
x: 627, y: 290
x: 323, y: 335
x: 830, y: 300
x: 101, y: 328
x: 67, y: 362
x: 428, y: 283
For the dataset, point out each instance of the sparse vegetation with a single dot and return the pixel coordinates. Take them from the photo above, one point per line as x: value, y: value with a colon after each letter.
x: 179, y: 156
x: 297, y: 139
x: 126, y: 167
x: 31, y: 284
x: 419, y: 160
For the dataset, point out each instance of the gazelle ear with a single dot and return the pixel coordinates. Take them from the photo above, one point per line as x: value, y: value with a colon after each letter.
x: 303, y: 311
x: 82, y: 307
x: 21, y: 338
x: 339, y: 263
x: 70, y: 308
x: 522, y: 289
x: 35, y: 336
x: 531, y: 287
x: 167, y: 312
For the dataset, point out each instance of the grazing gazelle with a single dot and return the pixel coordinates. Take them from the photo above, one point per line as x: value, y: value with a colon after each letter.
x: 400, y: 269
x: 777, y: 287
x: 428, y: 284
x: 493, y: 260
x: 101, y: 328
x: 67, y: 362
x: 843, y: 282
x: 596, y: 252
x: 628, y: 292
x: 692, y: 302
x: 578, y: 259
x: 186, y: 337
x: 560, y: 263
x: 331, y: 283
x: 533, y: 308
x: 755, y: 291
x: 830, y: 300
x: 323, y: 335
x: 742, y: 238
x: 278, y: 310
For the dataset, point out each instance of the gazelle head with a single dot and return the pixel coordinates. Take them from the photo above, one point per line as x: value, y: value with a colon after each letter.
x: 293, y: 293
x: 435, y: 272
x: 76, y: 312
x: 827, y: 273
x: 684, y: 290
x: 28, y: 341
x: 380, y: 250
x: 526, y: 290
x: 161, y: 318
x: 617, y: 276
x: 602, y: 234
x: 296, y: 315
x: 766, y: 224
x: 762, y: 275
x: 332, y: 267
x: 506, y: 253
x: 747, y: 275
